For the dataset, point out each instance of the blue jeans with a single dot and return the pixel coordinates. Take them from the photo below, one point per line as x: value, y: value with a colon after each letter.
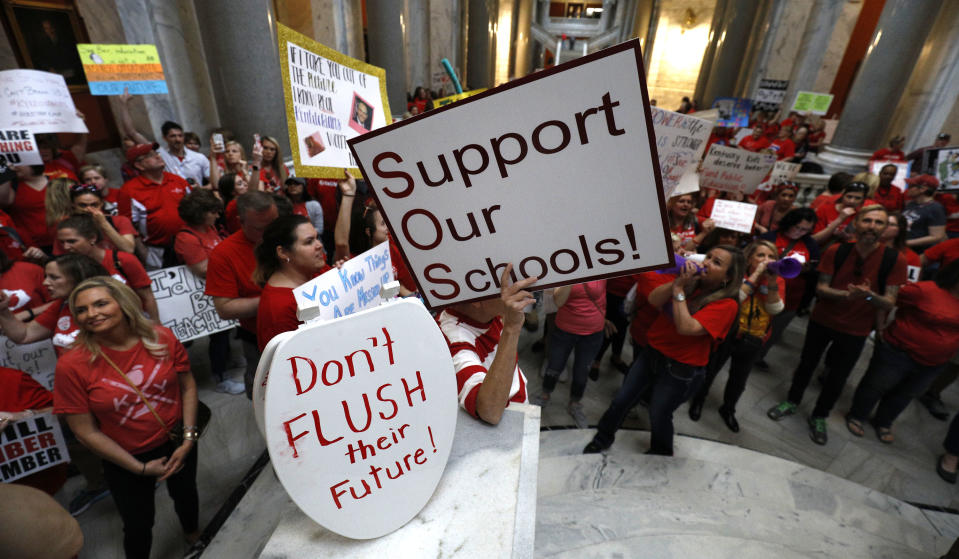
x: 671, y: 386
x: 561, y: 343
x: 892, y: 380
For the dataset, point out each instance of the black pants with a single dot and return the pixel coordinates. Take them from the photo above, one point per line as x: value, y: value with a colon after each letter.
x: 134, y: 497
x: 251, y: 352
x: 744, y: 351
x: 844, y: 353
x: 892, y: 381
x: 616, y: 315
x: 219, y: 352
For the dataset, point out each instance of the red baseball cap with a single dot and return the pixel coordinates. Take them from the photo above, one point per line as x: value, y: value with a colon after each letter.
x: 140, y: 150
x: 923, y: 180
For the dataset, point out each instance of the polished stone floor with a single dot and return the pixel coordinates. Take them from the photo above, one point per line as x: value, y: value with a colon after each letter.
x: 904, y: 470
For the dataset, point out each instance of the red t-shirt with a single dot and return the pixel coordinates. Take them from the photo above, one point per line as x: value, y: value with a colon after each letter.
x: 825, y: 215
x: 276, y: 314
x: 232, y: 217
x: 193, y: 246
x: 822, y: 199
x: 229, y: 273
x: 927, y: 323
x: 951, y: 204
x: 892, y: 199
x: 400, y: 272
x: 854, y: 316
x: 796, y: 285
x: 944, y: 252
x: 133, y: 273
x: 706, y: 211
x: 8, y: 242
x: 750, y: 143
x: 716, y: 318
x: 621, y: 285
x: 96, y: 387
x: 645, y: 313
x: 783, y: 148
x: 58, y: 319
x: 685, y: 233
x: 29, y: 212
x: 122, y: 224
x: 19, y: 392
x: 55, y: 170
x: 888, y: 154
x: 141, y: 198
x: 913, y: 264
x: 23, y: 283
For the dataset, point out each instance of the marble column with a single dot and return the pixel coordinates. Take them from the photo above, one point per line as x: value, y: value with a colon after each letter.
x: 715, y: 31
x: 418, y: 43
x: 386, y: 36
x: 447, y: 39
x: 338, y: 24
x: 812, y: 50
x: 480, y: 43
x: 768, y: 31
x: 523, y: 56
x: 731, y: 40
x: 896, y: 44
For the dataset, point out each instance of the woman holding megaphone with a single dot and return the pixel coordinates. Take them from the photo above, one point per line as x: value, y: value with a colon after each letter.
x: 760, y: 298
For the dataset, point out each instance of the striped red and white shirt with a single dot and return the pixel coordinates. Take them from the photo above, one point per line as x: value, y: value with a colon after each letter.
x: 473, y: 347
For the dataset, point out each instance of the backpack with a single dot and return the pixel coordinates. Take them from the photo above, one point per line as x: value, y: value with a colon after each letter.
x: 889, y: 257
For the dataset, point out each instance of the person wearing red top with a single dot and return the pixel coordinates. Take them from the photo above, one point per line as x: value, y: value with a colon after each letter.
x: 834, y: 221
x: 123, y: 390
x: 783, y: 146
x: 915, y: 350
x: 295, y: 189
x: 580, y: 325
x: 682, y: 221
x: 325, y: 191
x: 229, y: 274
x: 289, y: 255
x: 770, y: 212
x: 895, y: 236
x: 680, y: 341
x: 28, y: 208
x: 79, y: 235
x: 891, y: 153
x: 886, y: 194
x: 844, y: 315
x: 941, y: 254
x: 150, y: 202
x: 645, y: 314
x: 756, y: 141
x: 116, y: 232
x: 231, y: 186
x: 759, y: 301
x: 22, y: 282
x: 97, y: 176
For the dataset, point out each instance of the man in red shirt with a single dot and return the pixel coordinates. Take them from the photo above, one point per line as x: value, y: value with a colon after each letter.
x: 150, y: 201
x: 845, y: 314
x: 783, y: 146
x: 756, y: 141
x: 229, y: 274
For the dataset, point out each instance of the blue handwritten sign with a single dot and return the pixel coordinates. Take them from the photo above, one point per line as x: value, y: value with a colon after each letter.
x: 733, y: 111
x: 353, y: 287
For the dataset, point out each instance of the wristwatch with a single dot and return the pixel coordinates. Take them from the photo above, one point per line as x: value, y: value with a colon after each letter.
x: 679, y: 297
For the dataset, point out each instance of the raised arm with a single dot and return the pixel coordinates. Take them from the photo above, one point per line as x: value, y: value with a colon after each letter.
x: 17, y: 331
x: 341, y: 233
x: 126, y: 121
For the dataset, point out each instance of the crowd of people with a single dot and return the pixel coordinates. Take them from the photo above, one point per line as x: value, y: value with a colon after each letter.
x: 75, y: 252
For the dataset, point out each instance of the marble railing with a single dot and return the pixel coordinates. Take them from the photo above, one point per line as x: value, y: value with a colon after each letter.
x: 810, y: 186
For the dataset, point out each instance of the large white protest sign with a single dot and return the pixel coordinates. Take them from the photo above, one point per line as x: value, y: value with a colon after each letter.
x: 737, y: 216
x: 37, y: 359
x: 734, y: 170
x: 680, y: 143
x: 352, y: 287
x: 564, y: 186
x: 360, y: 416
x: 330, y: 98
x: 37, y: 101
x: 770, y: 94
x: 183, y: 306
x: 19, y: 147
x: 902, y: 171
x: 31, y: 445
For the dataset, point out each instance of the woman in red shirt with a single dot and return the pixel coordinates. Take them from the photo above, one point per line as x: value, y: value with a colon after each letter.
x: 96, y: 175
x: 682, y: 221
x: 116, y: 231
x: 28, y: 207
x: 230, y: 186
x: 760, y: 299
x: 895, y: 236
x: 273, y: 174
x: 771, y: 212
x: 914, y: 349
x: 290, y: 255
x: 303, y: 203
x: 125, y: 389
x: 680, y: 341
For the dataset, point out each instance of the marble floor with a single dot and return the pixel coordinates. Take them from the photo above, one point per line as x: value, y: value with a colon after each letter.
x: 904, y: 470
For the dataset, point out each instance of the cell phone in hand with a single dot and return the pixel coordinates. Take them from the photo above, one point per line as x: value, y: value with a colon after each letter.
x: 218, y: 142
x: 256, y: 140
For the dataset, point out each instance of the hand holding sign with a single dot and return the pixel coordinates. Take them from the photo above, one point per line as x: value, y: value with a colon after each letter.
x: 515, y: 297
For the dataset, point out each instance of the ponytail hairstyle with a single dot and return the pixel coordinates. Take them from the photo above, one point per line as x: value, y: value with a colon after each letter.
x: 280, y: 233
x: 129, y: 303
x: 83, y: 224
x: 57, y: 200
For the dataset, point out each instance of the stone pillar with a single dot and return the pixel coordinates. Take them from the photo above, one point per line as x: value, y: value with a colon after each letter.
x: 524, y: 53
x: 896, y: 44
x: 815, y: 40
x: 338, y: 24
x: 386, y: 36
x: 731, y: 42
x: 418, y: 43
x: 768, y: 30
x: 447, y: 37
x: 480, y: 43
x: 715, y: 31
x: 241, y: 50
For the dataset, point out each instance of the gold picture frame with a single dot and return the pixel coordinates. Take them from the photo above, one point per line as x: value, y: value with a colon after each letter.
x: 45, y: 37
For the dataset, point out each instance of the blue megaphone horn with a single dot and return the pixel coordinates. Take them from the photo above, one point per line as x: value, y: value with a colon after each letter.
x: 681, y: 263
x: 787, y: 268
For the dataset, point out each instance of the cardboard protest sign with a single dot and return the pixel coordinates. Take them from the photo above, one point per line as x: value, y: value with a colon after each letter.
x: 680, y: 143
x: 330, y: 98
x: 737, y: 216
x: 734, y: 170
x: 38, y: 359
x: 353, y: 287
x: 733, y: 111
x: 568, y: 189
x: 37, y: 101
x: 902, y: 172
x: 111, y: 68
x: 770, y: 94
x: 31, y: 445
x: 183, y: 306
x: 810, y: 102
x: 943, y: 163
x: 443, y: 101
x: 19, y: 147
x: 360, y: 415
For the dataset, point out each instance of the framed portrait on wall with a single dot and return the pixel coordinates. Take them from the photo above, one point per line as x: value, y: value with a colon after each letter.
x: 45, y: 36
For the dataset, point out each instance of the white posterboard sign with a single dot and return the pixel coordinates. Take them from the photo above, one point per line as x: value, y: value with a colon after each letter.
x: 902, y: 171
x: 734, y: 169
x: 329, y: 98
x: 687, y: 185
x: 37, y: 101
x: 37, y: 359
x: 680, y: 143
x: 19, y: 147
x: 360, y: 415
x: 566, y: 187
x: 737, y: 216
x: 783, y: 171
x: 742, y: 134
x: 31, y: 445
x: 183, y: 306
x: 353, y: 287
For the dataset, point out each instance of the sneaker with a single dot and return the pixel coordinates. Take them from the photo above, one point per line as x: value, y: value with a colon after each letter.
x: 84, y: 498
x: 575, y: 410
x: 231, y: 387
x: 540, y: 399
x: 935, y: 406
x: 782, y: 410
x: 594, y: 372
x: 817, y: 430
x: 761, y: 365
